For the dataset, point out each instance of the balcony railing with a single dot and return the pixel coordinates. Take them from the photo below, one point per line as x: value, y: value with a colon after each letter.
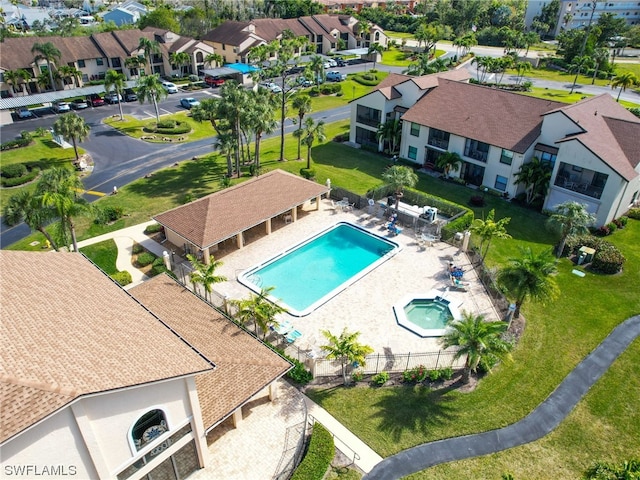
x: 373, y: 122
x: 581, y: 188
x: 477, y: 155
x: 443, y: 144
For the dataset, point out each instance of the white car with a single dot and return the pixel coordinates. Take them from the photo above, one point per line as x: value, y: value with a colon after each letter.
x: 272, y: 87
x: 24, y: 112
x: 61, y: 107
x: 170, y: 87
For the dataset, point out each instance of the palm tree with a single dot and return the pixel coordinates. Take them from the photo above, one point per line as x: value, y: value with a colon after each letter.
x: 312, y: 131
x: 489, y: 229
x: 449, y: 161
x: 60, y: 189
x: 390, y: 132
x: 600, y: 57
x: 570, y: 218
x: 579, y: 63
x: 362, y: 30
x: 73, y: 127
x: 480, y: 341
x: 43, y: 81
x: 25, y: 76
x: 134, y: 63
x: 149, y: 47
x: 226, y: 143
x: 259, y: 118
x: 27, y: 207
x: 213, y: 59
x: 374, y: 50
x: 49, y: 53
x: 150, y: 90
x: 12, y: 77
x: 115, y: 81
x: 180, y: 60
x: 535, y: 177
x: 399, y: 177
x: 522, y: 68
x: 530, y: 276
x: 623, y: 81
x: 346, y: 349
x: 204, y: 274
x: 259, y: 310
x: 302, y: 105
x: 316, y: 65
x: 69, y: 72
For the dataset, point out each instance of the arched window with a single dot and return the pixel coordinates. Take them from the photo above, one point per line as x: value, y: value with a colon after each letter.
x: 199, y: 57
x: 377, y: 36
x: 148, y: 427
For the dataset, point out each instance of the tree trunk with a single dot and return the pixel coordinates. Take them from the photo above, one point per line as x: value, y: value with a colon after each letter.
x: 344, y: 373
x: 299, y: 138
x: 75, y: 148
x: 563, y: 240
x: 49, y: 238
x: 72, y: 227
x: 120, y: 107
x: 282, y: 120
x: 516, y: 313
x: 308, y: 158
x: 257, y: 163
x: 466, y: 375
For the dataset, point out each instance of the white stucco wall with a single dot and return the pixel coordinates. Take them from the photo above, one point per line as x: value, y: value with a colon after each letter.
x: 374, y: 100
x: 556, y: 126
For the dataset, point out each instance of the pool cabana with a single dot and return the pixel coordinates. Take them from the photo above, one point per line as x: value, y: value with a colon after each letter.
x: 200, y: 226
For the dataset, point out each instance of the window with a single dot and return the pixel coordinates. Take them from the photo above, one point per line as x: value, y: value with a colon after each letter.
x: 366, y: 138
x: 546, y: 157
x: 368, y: 116
x: 115, y: 62
x: 81, y: 64
x: 413, y: 153
x: 199, y: 57
x: 501, y: 183
x: 148, y: 427
x: 506, y: 157
x: 224, y: 47
x: 100, y: 61
x: 476, y: 150
x: 438, y: 138
x: 415, y: 129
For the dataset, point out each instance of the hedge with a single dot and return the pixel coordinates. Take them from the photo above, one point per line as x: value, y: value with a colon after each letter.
x: 17, y: 143
x: 319, y: 455
x: 14, y: 170
x: 145, y: 259
x: 123, y: 278
x: 14, y: 182
x: 607, y: 258
x: 169, y: 127
x: 153, y: 228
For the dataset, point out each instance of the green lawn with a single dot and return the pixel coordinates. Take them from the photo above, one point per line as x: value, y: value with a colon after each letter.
x: 103, y: 254
x: 133, y: 127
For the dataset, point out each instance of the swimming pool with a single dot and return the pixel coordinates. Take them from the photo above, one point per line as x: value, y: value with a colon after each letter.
x: 314, y: 271
x: 426, y: 315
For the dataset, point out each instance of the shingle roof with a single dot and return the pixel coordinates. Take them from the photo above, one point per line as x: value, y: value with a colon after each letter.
x: 244, y: 365
x: 229, y: 32
x: 424, y: 82
x: 608, y: 130
x: 16, y: 52
x: 67, y: 330
x: 492, y: 116
x: 221, y: 215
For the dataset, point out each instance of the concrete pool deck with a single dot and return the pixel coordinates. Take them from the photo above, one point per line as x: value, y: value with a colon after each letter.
x: 366, y: 305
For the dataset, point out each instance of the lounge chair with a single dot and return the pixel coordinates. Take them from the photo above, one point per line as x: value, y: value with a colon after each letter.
x: 293, y: 336
x: 283, y: 328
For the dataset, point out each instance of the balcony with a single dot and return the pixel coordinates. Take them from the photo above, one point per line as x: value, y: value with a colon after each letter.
x: 371, y: 121
x: 477, y: 155
x: 585, y: 182
x: 435, y: 142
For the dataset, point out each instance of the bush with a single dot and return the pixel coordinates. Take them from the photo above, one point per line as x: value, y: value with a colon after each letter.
x: 145, y: 259
x: 634, y: 213
x: 460, y: 224
x: 612, y: 226
x: 357, y: 376
x: 608, y: 260
x: 137, y: 248
x: 415, y: 375
x: 446, y: 373
x: 477, y: 201
x: 13, y: 182
x: 109, y: 214
x: 15, y: 170
x: 166, y: 124
x: 123, y: 278
x: 308, y: 173
x: 380, y: 378
x: 17, y: 143
x: 367, y: 80
x: 319, y: 455
x: 623, y: 221
x: 168, y: 127
x: 153, y: 228
x: 435, y: 375
x: 603, y: 231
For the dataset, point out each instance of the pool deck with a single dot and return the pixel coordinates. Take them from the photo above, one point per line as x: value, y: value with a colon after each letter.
x: 367, y: 305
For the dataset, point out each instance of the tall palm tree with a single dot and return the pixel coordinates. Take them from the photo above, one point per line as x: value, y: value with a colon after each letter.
x: 399, y: 177
x: 12, y: 77
x: 530, y: 276
x: 522, y: 68
x: 204, y: 274
x: 311, y: 132
x: 115, y: 81
x: 449, y: 161
x: 72, y: 127
x: 25, y: 76
x: 135, y: 63
x: 226, y: 143
x: 390, y: 132
x: 489, y: 229
x: 68, y: 72
x: 259, y: 118
x: 180, y: 60
x: 27, y: 207
x: 374, y: 50
x: 570, y: 218
x: 346, y: 349
x: 150, y: 90
x: 623, y: 81
x: 480, y: 341
x: 302, y: 105
x: 259, y: 310
x: 61, y: 190
x: 535, y: 176
x: 600, y: 57
x: 579, y: 64
x: 362, y: 30
x: 213, y: 59
x: 149, y: 47
x: 49, y: 53
x: 316, y: 65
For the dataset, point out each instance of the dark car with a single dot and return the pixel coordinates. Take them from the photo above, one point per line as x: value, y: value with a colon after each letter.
x: 95, y: 100
x: 130, y: 95
x: 340, y: 62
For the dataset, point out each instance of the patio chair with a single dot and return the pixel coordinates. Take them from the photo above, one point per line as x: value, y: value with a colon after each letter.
x: 293, y: 336
x: 283, y: 328
x: 334, y: 207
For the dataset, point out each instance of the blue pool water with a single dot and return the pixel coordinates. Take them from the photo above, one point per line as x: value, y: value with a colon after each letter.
x: 309, y: 274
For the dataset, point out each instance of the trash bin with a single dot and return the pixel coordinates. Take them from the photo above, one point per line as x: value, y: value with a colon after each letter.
x: 581, y: 258
x: 510, y: 312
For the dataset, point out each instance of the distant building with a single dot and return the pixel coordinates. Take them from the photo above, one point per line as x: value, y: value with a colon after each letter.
x: 127, y: 13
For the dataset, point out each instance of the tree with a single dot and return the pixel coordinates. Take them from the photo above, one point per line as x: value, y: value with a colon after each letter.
x: 390, y: 133
x: 213, y: 59
x: 535, y: 177
x: 27, y: 207
x: 399, y: 177
x: 374, y: 50
x: 600, y: 58
x: 316, y: 65
x: 579, y: 64
x: 311, y: 132
x: 25, y: 77
x: 547, y: 17
x: 623, y: 81
x: 49, y: 53
x: 135, y: 63
x: 449, y: 161
x: 430, y: 34
x: 115, y: 81
x: 570, y: 218
x: 12, y: 77
x: 522, y: 68
x: 530, y: 276
x: 149, y: 48
x: 161, y: 17
x: 302, y: 105
x: 362, y: 30
x: 259, y: 310
x: 345, y: 349
x: 529, y: 39
x: 478, y: 340
x: 425, y: 67
x: 489, y: 229
x: 150, y: 89
x: 60, y: 189
x: 68, y: 72
x: 72, y: 127
x: 180, y: 60
x: 259, y: 118
x: 204, y: 274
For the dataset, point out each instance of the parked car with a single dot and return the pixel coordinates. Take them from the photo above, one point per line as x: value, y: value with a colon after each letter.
x: 303, y: 82
x: 214, y: 81
x: 24, y: 112
x: 130, y: 95
x: 61, y: 107
x: 335, y: 76
x: 189, y: 103
x: 295, y: 69
x: 95, y: 100
x: 340, y: 62
x: 271, y: 87
x: 170, y: 87
x: 112, y: 97
x: 79, y: 104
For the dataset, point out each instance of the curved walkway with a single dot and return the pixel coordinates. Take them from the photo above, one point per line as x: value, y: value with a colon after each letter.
x: 543, y: 420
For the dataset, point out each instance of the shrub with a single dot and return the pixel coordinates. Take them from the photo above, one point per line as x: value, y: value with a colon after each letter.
x: 446, y: 373
x: 145, y: 259
x: 460, y: 224
x: 137, y: 248
x: 41, y: 132
x: 123, y: 278
x: 153, y: 228
x: 367, y: 80
x: 109, y: 214
x: 15, y: 170
x: 357, y: 376
x: 477, y: 201
x: 166, y: 124
x: 168, y: 127
x: 308, y: 173
x: 13, y: 182
x: 188, y: 198
x: 603, y: 231
x: 17, y: 143
x: 612, y: 227
x: 415, y: 375
x: 25, y: 135
x: 435, y: 375
x: 623, y: 221
x: 634, y: 213
x: 608, y: 260
x: 380, y: 378
x: 319, y: 455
